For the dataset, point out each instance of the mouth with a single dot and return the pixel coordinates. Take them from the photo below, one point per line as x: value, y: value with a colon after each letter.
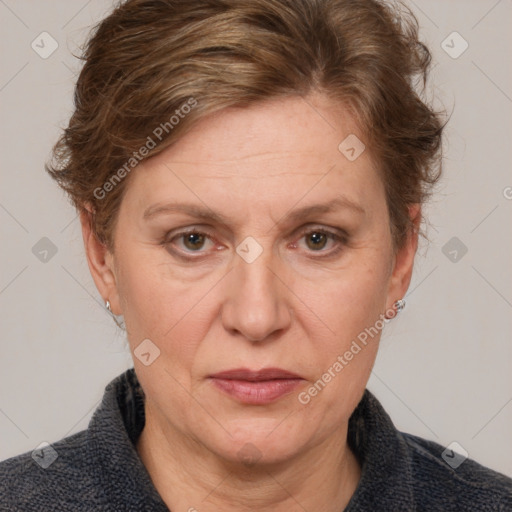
x: 258, y: 387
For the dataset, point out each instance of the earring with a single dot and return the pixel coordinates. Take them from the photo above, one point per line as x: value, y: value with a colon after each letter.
x: 399, y: 305
x: 109, y: 309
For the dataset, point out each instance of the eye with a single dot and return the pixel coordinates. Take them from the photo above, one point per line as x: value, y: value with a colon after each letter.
x: 316, y: 240
x: 184, y: 243
x: 189, y: 241
x: 194, y: 241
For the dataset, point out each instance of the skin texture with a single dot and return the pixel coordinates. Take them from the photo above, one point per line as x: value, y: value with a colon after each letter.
x: 297, y: 306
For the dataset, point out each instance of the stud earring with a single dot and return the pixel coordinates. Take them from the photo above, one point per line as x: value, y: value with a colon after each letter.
x: 399, y: 305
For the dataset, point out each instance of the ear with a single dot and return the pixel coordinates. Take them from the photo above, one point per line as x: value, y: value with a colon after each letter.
x: 100, y: 261
x: 403, y: 260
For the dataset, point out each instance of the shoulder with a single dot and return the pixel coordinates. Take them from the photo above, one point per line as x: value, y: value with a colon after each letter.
x: 459, y: 483
x: 404, y: 472
x: 54, y: 477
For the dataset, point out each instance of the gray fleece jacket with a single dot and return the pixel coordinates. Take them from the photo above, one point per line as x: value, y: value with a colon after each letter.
x: 98, y: 469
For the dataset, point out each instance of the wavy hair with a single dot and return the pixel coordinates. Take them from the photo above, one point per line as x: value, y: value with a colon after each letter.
x: 148, y: 58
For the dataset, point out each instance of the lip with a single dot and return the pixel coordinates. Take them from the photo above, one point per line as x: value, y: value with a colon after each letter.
x: 256, y: 387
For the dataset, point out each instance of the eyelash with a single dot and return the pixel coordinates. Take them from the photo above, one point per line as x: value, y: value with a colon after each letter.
x: 340, y: 239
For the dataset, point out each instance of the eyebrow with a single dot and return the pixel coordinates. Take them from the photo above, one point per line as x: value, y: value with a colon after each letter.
x: 206, y: 213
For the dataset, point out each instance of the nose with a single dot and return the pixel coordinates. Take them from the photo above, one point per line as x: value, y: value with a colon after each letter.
x: 256, y: 306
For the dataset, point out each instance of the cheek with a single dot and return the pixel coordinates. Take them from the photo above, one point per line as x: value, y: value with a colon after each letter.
x: 342, y: 369
x: 351, y: 307
x: 159, y: 305
x: 351, y: 299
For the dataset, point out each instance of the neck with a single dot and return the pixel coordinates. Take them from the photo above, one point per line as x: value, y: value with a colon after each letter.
x: 190, y: 477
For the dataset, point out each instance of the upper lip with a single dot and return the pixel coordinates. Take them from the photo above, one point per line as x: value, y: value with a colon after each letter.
x: 255, y: 375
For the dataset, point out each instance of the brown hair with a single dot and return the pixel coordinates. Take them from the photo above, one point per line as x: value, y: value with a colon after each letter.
x: 151, y: 62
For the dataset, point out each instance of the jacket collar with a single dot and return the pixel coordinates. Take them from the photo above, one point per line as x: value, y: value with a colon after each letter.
x: 113, y: 430
x: 386, y: 475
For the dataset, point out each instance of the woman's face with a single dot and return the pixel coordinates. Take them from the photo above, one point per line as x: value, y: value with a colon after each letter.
x: 288, y: 264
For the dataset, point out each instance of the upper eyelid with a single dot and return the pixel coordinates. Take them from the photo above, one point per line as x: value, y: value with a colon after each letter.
x: 302, y: 230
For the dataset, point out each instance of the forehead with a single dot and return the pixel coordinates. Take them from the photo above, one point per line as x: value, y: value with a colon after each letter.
x: 279, y: 150
x: 280, y: 128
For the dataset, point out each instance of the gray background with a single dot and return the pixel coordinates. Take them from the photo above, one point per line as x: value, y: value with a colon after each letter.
x: 444, y: 368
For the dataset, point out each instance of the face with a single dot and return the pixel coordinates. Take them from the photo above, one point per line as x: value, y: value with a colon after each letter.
x: 254, y: 243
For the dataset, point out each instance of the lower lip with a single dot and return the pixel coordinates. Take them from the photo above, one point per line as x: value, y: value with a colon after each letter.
x: 257, y: 393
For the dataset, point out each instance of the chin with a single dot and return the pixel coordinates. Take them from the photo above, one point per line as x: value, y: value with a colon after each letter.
x: 257, y: 442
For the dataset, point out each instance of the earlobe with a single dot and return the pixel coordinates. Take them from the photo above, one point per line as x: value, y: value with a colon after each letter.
x: 100, y: 261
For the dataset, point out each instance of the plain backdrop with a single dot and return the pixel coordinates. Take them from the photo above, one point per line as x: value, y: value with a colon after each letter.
x: 444, y: 370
